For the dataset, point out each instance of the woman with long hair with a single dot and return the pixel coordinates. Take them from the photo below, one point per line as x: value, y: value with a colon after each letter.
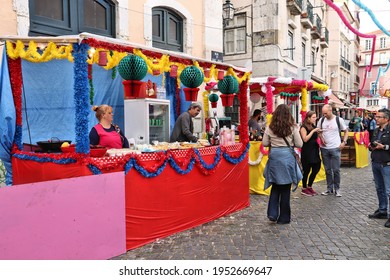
x: 281, y: 170
x: 310, y: 153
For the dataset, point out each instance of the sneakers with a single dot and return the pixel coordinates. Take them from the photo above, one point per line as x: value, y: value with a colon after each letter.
x: 378, y: 215
x: 328, y: 192
x: 312, y: 191
x: 338, y: 194
x: 307, y: 192
x: 387, y: 224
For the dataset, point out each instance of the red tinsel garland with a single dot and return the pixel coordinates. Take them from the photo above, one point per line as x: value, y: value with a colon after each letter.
x: 363, y: 138
x: 243, y: 128
x: 108, y: 46
x: 115, y: 47
x: 15, y: 73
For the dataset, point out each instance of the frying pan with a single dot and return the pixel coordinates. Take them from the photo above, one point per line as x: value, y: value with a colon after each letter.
x: 53, y: 145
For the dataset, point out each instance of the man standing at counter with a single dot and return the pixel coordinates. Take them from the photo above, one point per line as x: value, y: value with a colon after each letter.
x: 184, y: 127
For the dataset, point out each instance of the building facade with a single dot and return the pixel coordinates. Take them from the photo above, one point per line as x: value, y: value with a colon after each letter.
x: 376, y: 91
x: 176, y: 25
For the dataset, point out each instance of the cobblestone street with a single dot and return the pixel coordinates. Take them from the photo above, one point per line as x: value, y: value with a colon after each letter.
x: 322, y: 227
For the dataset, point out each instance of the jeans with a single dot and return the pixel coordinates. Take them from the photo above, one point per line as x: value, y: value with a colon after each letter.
x: 382, y: 185
x: 279, y: 203
x: 332, y: 161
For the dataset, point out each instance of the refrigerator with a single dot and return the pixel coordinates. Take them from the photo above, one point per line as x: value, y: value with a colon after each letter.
x: 147, y: 120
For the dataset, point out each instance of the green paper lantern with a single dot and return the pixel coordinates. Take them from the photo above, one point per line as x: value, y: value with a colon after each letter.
x: 228, y: 85
x: 213, y: 97
x: 192, y: 77
x: 132, y: 67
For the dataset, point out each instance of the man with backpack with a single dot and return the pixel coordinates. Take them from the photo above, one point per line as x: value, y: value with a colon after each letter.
x: 331, y: 147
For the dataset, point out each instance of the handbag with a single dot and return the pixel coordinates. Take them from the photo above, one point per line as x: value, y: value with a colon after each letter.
x: 296, y: 156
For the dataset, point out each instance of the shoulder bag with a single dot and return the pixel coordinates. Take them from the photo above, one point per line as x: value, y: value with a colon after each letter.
x: 296, y: 156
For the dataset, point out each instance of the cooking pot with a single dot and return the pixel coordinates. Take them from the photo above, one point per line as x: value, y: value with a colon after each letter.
x: 53, y: 145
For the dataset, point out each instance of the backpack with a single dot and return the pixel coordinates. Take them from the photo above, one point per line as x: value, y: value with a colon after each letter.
x: 337, y: 121
x: 351, y: 125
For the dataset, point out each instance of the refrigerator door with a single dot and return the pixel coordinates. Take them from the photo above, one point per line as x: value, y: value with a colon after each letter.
x: 147, y: 120
x: 158, y: 122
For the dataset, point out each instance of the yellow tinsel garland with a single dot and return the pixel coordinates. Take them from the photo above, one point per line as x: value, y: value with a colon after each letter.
x: 304, y: 99
x: 31, y: 54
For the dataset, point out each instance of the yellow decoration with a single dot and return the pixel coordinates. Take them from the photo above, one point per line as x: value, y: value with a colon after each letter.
x: 320, y: 87
x: 304, y: 99
x: 31, y: 54
x: 52, y: 51
x: 112, y: 59
x: 269, y: 117
x: 246, y: 76
x: 206, y: 108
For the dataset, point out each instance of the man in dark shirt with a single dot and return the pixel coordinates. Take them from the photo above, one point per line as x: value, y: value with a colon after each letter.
x: 380, y: 157
x: 184, y: 128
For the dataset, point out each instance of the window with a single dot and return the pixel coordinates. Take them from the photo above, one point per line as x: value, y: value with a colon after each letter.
x: 61, y: 17
x: 367, y: 59
x: 322, y: 66
x: 290, y: 44
x: 373, y: 88
x: 372, y: 102
x: 312, y: 60
x: 167, y: 30
x: 382, y: 42
x: 382, y: 58
x: 303, y: 54
x: 368, y: 45
x: 235, y: 35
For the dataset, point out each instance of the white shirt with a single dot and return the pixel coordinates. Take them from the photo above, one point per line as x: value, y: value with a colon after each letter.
x: 331, y: 133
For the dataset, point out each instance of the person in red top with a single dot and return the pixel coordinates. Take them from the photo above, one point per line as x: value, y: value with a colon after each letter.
x: 105, y: 133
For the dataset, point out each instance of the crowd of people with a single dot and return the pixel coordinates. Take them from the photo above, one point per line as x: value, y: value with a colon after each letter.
x: 321, y: 141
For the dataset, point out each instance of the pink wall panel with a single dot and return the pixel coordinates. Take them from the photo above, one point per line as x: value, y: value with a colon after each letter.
x: 77, y: 218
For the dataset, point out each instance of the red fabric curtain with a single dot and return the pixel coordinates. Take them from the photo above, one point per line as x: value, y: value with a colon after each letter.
x: 170, y: 203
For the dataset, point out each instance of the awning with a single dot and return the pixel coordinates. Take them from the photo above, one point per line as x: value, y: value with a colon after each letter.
x: 335, y: 101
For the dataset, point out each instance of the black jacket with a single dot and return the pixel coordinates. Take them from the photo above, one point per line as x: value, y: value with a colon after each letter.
x: 382, y: 156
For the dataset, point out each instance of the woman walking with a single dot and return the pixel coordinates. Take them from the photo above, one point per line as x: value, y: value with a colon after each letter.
x: 310, y: 153
x: 282, y: 169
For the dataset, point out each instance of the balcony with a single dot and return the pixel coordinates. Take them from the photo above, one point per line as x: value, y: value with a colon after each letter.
x: 316, y: 29
x: 324, y: 41
x: 357, y: 58
x: 307, y: 16
x: 357, y: 79
x: 295, y: 6
x: 345, y: 63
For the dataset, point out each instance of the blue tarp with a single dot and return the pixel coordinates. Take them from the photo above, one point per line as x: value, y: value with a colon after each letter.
x: 8, y: 118
x: 48, y: 108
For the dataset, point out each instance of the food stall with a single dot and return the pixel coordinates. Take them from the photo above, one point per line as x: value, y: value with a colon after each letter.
x: 152, y: 194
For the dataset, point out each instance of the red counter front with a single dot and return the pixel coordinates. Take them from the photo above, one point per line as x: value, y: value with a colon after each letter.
x: 158, y: 205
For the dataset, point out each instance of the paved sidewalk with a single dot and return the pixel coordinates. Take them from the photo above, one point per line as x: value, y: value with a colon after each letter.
x: 322, y: 227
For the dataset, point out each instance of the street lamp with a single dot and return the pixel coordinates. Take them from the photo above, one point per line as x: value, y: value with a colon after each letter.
x: 227, y: 11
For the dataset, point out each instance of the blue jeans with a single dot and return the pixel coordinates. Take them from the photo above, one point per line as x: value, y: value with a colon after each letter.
x: 332, y: 161
x: 382, y: 185
x: 279, y: 203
